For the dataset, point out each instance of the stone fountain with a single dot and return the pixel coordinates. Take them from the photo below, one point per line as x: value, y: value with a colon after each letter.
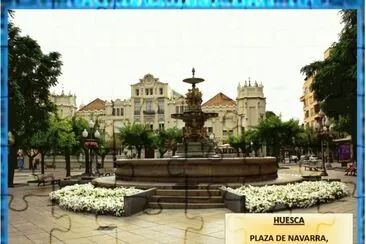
x: 195, y: 161
x: 196, y: 143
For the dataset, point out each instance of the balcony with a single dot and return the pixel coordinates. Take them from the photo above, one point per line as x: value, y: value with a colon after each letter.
x: 149, y: 112
x: 160, y: 111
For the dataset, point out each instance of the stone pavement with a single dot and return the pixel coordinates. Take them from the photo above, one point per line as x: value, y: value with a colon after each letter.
x: 33, y: 219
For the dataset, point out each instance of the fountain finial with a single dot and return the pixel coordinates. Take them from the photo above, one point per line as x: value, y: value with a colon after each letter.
x: 193, y: 71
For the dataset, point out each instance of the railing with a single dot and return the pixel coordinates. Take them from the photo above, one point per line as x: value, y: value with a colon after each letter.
x: 149, y: 112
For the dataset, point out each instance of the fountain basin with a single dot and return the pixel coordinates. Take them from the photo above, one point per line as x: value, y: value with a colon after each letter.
x: 197, y: 170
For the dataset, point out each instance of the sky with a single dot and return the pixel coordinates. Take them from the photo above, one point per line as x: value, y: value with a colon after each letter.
x: 106, y: 51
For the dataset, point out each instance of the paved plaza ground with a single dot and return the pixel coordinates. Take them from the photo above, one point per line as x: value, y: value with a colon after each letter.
x: 33, y: 219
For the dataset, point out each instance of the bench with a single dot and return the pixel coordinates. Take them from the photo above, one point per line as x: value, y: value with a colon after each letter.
x: 43, y: 178
x: 313, y: 165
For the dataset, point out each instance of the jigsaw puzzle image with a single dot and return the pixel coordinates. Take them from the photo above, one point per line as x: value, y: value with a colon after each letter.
x: 133, y: 126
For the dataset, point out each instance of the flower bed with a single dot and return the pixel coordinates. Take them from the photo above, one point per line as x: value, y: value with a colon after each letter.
x: 87, y: 198
x: 299, y: 195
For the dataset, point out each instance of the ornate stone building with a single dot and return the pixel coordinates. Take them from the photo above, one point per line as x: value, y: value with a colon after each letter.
x: 236, y: 116
x: 311, y: 106
x: 152, y: 102
x: 66, y: 104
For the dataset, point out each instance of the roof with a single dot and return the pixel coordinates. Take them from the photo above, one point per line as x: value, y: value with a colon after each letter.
x: 219, y: 100
x: 175, y: 93
x: 97, y: 104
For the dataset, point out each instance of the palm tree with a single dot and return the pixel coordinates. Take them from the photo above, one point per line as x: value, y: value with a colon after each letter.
x: 137, y: 136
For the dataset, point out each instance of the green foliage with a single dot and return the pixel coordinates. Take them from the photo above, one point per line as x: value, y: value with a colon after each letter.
x: 78, y: 126
x: 238, y: 142
x: 335, y: 78
x: 167, y: 140
x: 63, y: 134
x: 174, y: 136
x: 138, y: 136
x: 31, y: 73
x: 270, y: 114
x: 277, y: 134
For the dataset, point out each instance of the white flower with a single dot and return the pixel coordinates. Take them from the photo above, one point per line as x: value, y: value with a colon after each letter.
x: 88, y: 198
x: 299, y: 195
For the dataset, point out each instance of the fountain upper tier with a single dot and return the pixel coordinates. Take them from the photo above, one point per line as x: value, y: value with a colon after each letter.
x: 193, y: 117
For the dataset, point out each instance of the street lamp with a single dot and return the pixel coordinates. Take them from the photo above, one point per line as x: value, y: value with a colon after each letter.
x: 90, y: 144
x: 212, y: 137
x: 251, y: 147
x: 321, y: 126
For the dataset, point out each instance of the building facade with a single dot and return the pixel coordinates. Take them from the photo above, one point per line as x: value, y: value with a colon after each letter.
x: 311, y: 106
x: 152, y: 102
x: 66, y: 104
x: 234, y: 117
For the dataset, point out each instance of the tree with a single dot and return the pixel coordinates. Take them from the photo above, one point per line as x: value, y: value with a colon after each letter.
x: 174, y: 136
x: 42, y: 142
x: 270, y: 114
x: 335, y: 78
x: 252, y: 136
x: 31, y: 74
x: 64, y: 139
x: 160, y: 142
x: 138, y: 136
x: 278, y: 134
x: 238, y: 142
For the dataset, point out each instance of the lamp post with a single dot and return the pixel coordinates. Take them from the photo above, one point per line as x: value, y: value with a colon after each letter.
x: 114, y: 147
x: 90, y: 144
x: 251, y: 147
x: 321, y: 125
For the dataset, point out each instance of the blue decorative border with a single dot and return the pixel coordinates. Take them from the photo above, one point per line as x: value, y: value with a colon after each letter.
x: 360, y: 125
x: 187, y: 4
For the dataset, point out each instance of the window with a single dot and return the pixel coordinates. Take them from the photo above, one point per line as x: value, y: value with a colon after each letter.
x: 161, y: 126
x: 137, y: 108
x: 151, y: 91
x: 121, y: 111
x: 137, y: 92
x: 181, y: 109
x: 146, y: 92
x: 161, y: 91
x: 114, y: 112
x: 209, y: 129
x: 151, y: 126
x: 149, y: 105
x: 231, y: 132
x: 117, y: 111
x: 224, y: 132
x: 160, y: 106
x: 177, y: 109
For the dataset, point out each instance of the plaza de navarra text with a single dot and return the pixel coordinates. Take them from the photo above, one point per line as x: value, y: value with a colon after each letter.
x: 288, y: 221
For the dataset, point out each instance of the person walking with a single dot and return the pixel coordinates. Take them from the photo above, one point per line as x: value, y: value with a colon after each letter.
x: 20, y: 159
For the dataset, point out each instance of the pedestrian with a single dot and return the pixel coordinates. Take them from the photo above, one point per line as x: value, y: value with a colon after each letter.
x: 20, y: 159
